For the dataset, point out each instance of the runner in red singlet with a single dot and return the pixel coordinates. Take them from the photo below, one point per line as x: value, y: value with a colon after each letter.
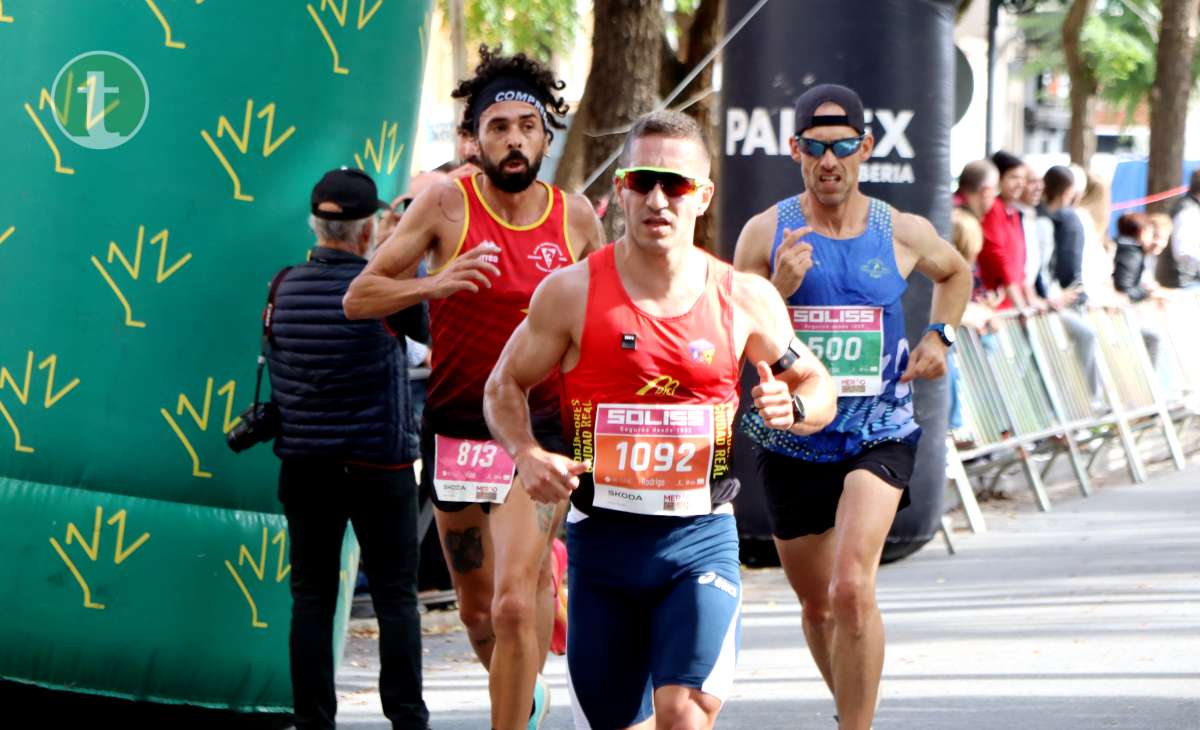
x: 489, y: 239
x: 650, y: 334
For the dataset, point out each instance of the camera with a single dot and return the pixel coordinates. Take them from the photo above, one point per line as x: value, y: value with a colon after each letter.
x: 260, y: 422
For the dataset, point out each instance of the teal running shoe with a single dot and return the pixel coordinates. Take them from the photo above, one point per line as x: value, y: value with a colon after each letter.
x: 541, y: 704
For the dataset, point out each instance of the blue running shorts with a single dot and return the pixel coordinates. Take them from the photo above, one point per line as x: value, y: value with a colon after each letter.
x: 652, y: 602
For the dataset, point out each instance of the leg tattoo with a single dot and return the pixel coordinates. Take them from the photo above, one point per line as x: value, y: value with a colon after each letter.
x: 465, y: 548
x: 545, y: 513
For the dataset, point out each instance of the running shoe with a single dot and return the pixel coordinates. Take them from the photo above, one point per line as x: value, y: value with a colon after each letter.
x: 541, y: 704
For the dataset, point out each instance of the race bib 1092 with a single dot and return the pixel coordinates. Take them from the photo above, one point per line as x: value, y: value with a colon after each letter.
x: 654, y: 459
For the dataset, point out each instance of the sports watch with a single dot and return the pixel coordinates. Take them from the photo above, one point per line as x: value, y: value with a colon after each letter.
x: 944, y: 331
x: 797, y: 409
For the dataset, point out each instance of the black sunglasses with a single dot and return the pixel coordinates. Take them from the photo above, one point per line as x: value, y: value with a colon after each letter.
x: 841, y: 147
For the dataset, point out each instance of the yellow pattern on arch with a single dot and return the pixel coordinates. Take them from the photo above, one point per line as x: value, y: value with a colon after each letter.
x: 91, y: 548
x: 339, y: 17
x: 201, y: 417
x: 162, y: 20
x: 134, y: 269
x: 59, y: 167
x: 375, y: 155
x: 22, y: 390
x: 258, y: 569
x: 242, y: 141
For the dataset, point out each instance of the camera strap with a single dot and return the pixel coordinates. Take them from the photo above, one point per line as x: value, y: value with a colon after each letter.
x: 268, y: 317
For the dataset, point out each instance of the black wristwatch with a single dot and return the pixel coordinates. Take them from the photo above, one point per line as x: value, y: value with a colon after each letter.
x: 797, y: 409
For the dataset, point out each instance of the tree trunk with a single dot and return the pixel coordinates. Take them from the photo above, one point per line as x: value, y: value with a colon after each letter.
x: 963, y: 7
x: 703, y: 31
x: 1081, y: 140
x: 703, y: 35
x: 622, y: 85
x: 458, y: 43
x: 458, y: 50
x: 1169, y: 97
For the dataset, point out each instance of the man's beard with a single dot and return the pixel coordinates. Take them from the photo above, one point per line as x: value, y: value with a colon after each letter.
x: 511, y: 182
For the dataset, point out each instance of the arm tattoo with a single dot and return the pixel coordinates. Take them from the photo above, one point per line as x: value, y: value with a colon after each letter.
x: 545, y: 513
x: 442, y: 207
x: 465, y: 548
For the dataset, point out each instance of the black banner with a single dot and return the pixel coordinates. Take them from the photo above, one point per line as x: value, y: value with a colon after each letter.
x: 899, y: 56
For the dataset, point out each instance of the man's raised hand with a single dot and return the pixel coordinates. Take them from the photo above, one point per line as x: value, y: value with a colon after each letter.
x: 793, y: 259
x: 772, y: 399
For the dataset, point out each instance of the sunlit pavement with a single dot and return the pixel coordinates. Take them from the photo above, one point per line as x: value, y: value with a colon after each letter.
x: 1084, y: 617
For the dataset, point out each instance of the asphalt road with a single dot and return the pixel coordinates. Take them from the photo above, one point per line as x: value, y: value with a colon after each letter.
x: 1087, y: 616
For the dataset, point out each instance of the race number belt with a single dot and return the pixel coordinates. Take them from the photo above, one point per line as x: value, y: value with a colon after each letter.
x: 654, y: 459
x: 849, y: 341
x: 465, y: 470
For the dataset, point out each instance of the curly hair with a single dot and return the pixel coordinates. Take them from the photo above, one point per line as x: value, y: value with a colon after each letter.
x: 491, y: 66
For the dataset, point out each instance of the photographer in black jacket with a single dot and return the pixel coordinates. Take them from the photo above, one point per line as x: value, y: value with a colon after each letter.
x: 341, y: 387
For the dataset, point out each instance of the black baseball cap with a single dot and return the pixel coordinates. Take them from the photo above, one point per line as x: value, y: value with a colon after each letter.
x: 846, y: 98
x: 352, y: 191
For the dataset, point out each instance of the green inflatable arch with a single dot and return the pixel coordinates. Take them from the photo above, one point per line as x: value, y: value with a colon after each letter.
x: 158, y: 156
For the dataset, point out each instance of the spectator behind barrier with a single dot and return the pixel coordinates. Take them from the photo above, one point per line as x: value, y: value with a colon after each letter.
x: 1135, y: 239
x: 346, y: 451
x: 1094, y: 202
x: 1039, y: 233
x: 977, y: 188
x: 1096, y: 274
x: 965, y: 234
x: 1002, y: 260
x: 1058, y: 199
x: 1179, y: 264
x: 1161, y: 222
x: 967, y: 237
x: 974, y: 197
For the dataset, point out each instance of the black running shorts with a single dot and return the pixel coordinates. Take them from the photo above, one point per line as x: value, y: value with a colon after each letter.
x: 802, y: 496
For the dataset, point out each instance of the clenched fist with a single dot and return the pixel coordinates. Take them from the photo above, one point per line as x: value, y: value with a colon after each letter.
x: 468, y: 272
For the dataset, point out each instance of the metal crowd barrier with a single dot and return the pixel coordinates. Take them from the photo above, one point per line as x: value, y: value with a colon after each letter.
x: 1024, y: 390
x: 1130, y: 381
x: 1085, y: 412
x: 1008, y: 413
x: 1178, y: 361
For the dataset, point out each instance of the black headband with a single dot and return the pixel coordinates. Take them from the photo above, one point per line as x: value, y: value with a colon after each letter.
x: 830, y: 120
x: 509, y: 88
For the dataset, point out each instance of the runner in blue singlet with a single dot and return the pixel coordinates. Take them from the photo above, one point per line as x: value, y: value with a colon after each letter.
x: 840, y: 260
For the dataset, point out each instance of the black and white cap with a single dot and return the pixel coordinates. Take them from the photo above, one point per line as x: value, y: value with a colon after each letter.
x: 846, y: 98
x: 345, y: 195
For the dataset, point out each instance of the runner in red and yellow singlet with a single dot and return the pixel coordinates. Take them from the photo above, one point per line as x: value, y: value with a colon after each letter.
x: 657, y: 427
x: 469, y: 329
x: 650, y: 335
x: 490, y: 239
